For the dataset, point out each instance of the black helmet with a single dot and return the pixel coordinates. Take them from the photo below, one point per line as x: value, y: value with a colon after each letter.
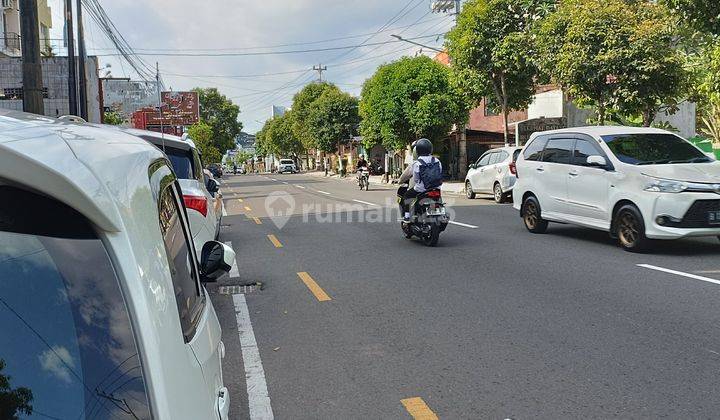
x: 423, y: 147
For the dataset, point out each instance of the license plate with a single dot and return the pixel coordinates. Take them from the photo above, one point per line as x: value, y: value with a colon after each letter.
x: 714, y: 217
x: 439, y: 211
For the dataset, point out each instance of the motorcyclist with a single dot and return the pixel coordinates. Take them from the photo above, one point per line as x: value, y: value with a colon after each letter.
x: 422, y: 152
x: 361, y: 163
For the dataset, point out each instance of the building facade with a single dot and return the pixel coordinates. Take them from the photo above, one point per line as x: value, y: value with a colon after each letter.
x: 10, y: 41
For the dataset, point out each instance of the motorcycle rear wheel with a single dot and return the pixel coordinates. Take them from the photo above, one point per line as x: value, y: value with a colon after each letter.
x: 431, y: 238
x: 407, y: 229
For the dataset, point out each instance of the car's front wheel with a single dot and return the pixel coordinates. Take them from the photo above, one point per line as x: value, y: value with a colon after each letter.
x: 630, y: 229
x: 469, y: 193
x: 498, y: 193
x: 532, y: 215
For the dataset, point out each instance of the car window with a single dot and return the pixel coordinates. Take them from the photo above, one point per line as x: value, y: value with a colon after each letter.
x: 583, y: 149
x: 534, y: 150
x: 484, y: 159
x: 653, y: 148
x: 286, y: 162
x: 502, y: 156
x: 183, y: 269
x: 67, y: 346
x: 493, y: 158
x: 516, y: 153
x: 197, y: 166
x: 558, y: 150
x: 182, y: 162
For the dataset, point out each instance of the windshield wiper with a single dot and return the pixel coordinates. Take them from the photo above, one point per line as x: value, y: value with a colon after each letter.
x: 654, y: 162
x: 698, y: 159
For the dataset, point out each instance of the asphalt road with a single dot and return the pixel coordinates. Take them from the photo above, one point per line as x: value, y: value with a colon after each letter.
x: 493, y: 323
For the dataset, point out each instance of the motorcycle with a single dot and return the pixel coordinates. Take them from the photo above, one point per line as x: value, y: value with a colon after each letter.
x: 364, y: 178
x: 428, y: 216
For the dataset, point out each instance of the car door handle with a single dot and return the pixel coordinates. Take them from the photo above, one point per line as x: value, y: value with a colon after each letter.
x: 573, y: 173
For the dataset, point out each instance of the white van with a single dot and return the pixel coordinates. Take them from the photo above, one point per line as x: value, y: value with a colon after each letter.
x: 102, y: 304
x: 636, y: 183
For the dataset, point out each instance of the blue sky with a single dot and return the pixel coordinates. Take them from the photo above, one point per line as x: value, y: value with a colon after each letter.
x: 167, y: 26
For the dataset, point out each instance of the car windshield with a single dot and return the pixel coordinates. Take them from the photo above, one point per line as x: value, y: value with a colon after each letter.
x: 286, y: 162
x: 181, y: 161
x: 653, y: 149
x: 66, y: 347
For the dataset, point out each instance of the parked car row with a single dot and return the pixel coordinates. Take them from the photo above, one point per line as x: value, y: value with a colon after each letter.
x: 106, y: 243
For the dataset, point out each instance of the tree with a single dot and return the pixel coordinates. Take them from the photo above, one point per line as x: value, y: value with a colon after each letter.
x: 202, y: 134
x: 614, y: 55
x: 704, y: 15
x: 489, y: 49
x: 277, y: 137
x: 221, y: 115
x: 112, y: 118
x: 408, y: 99
x: 302, y: 106
x: 13, y: 401
x: 333, y: 120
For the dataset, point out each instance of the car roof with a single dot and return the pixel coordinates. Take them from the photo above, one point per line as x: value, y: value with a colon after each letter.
x: 598, y: 131
x: 160, y: 140
x: 91, y: 168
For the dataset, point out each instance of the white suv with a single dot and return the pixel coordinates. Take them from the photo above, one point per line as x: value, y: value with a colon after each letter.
x: 494, y: 172
x: 287, y: 165
x: 104, y: 313
x: 636, y: 183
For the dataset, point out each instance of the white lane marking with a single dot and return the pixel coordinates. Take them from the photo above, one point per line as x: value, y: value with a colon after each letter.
x: 258, y: 397
x: 463, y: 224
x: 234, y: 272
x: 365, y: 202
x: 300, y: 186
x: 285, y: 182
x: 224, y: 212
x: 323, y: 192
x: 273, y: 179
x: 679, y: 273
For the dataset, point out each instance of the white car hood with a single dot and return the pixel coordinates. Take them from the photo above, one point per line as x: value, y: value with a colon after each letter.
x: 689, y: 172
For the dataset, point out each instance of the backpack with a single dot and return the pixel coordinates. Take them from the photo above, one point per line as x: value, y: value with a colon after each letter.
x: 431, y: 174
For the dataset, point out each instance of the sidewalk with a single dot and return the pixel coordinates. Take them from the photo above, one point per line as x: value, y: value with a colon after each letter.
x: 448, y: 187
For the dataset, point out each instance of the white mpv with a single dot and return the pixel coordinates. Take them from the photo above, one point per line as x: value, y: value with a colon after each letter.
x: 636, y: 183
x: 103, y: 311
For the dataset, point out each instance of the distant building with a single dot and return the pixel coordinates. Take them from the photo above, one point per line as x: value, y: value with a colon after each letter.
x: 124, y: 96
x: 278, y: 111
x: 10, y: 27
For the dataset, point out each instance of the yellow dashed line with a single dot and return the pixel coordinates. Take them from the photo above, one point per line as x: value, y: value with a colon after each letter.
x: 314, y: 288
x: 257, y: 221
x: 247, y: 208
x: 274, y: 240
x: 240, y: 200
x: 418, y: 409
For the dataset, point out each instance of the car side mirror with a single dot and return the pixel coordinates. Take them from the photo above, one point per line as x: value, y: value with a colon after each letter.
x: 213, y: 186
x: 597, y: 161
x: 216, y: 259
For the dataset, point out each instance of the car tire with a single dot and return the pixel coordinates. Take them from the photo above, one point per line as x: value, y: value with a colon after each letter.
x: 498, y: 193
x: 629, y: 227
x: 469, y: 191
x: 531, y: 215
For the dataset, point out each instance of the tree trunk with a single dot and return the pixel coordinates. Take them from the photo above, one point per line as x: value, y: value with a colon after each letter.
x: 506, y: 131
x: 601, y: 113
x: 648, y: 116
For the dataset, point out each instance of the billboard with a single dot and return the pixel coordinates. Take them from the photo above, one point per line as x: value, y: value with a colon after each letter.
x: 178, y: 109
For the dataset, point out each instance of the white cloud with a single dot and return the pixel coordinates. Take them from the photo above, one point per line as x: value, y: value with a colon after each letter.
x: 52, y: 362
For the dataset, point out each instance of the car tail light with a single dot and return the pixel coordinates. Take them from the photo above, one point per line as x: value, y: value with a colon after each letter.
x: 513, y: 168
x: 433, y: 194
x: 196, y: 202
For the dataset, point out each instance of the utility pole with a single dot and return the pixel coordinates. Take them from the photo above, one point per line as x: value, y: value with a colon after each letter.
x: 160, y: 104
x: 320, y: 69
x: 72, y: 78
x: 81, y: 63
x: 32, y: 67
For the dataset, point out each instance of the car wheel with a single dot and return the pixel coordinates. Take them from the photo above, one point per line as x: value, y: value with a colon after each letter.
x: 498, y: 193
x: 469, y: 191
x: 630, y: 229
x: 531, y: 215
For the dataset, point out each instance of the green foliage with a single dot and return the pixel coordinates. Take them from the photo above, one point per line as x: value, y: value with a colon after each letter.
x: 303, y: 104
x: 408, y: 99
x: 202, y: 134
x: 221, y: 115
x: 242, y: 157
x: 703, y: 15
x: 333, y: 119
x: 13, y: 401
x: 490, y: 48
x: 277, y: 137
x: 613, y: 55
x: 711, y: 124
x: 112, y: 118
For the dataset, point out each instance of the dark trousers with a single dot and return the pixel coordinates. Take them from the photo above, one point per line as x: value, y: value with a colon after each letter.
x: 408, y: 196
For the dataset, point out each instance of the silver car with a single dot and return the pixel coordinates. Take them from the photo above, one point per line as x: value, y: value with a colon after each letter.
x: 493, y: 173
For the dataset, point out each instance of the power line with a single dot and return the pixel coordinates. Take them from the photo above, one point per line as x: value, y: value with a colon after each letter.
x: 256, y: 53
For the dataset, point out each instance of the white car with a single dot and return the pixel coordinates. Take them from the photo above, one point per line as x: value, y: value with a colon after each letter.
x: 493, y: 173
x: 102, y: 304
x: 636, y: 183
x: 201, y: 193
x: 287, y: 165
